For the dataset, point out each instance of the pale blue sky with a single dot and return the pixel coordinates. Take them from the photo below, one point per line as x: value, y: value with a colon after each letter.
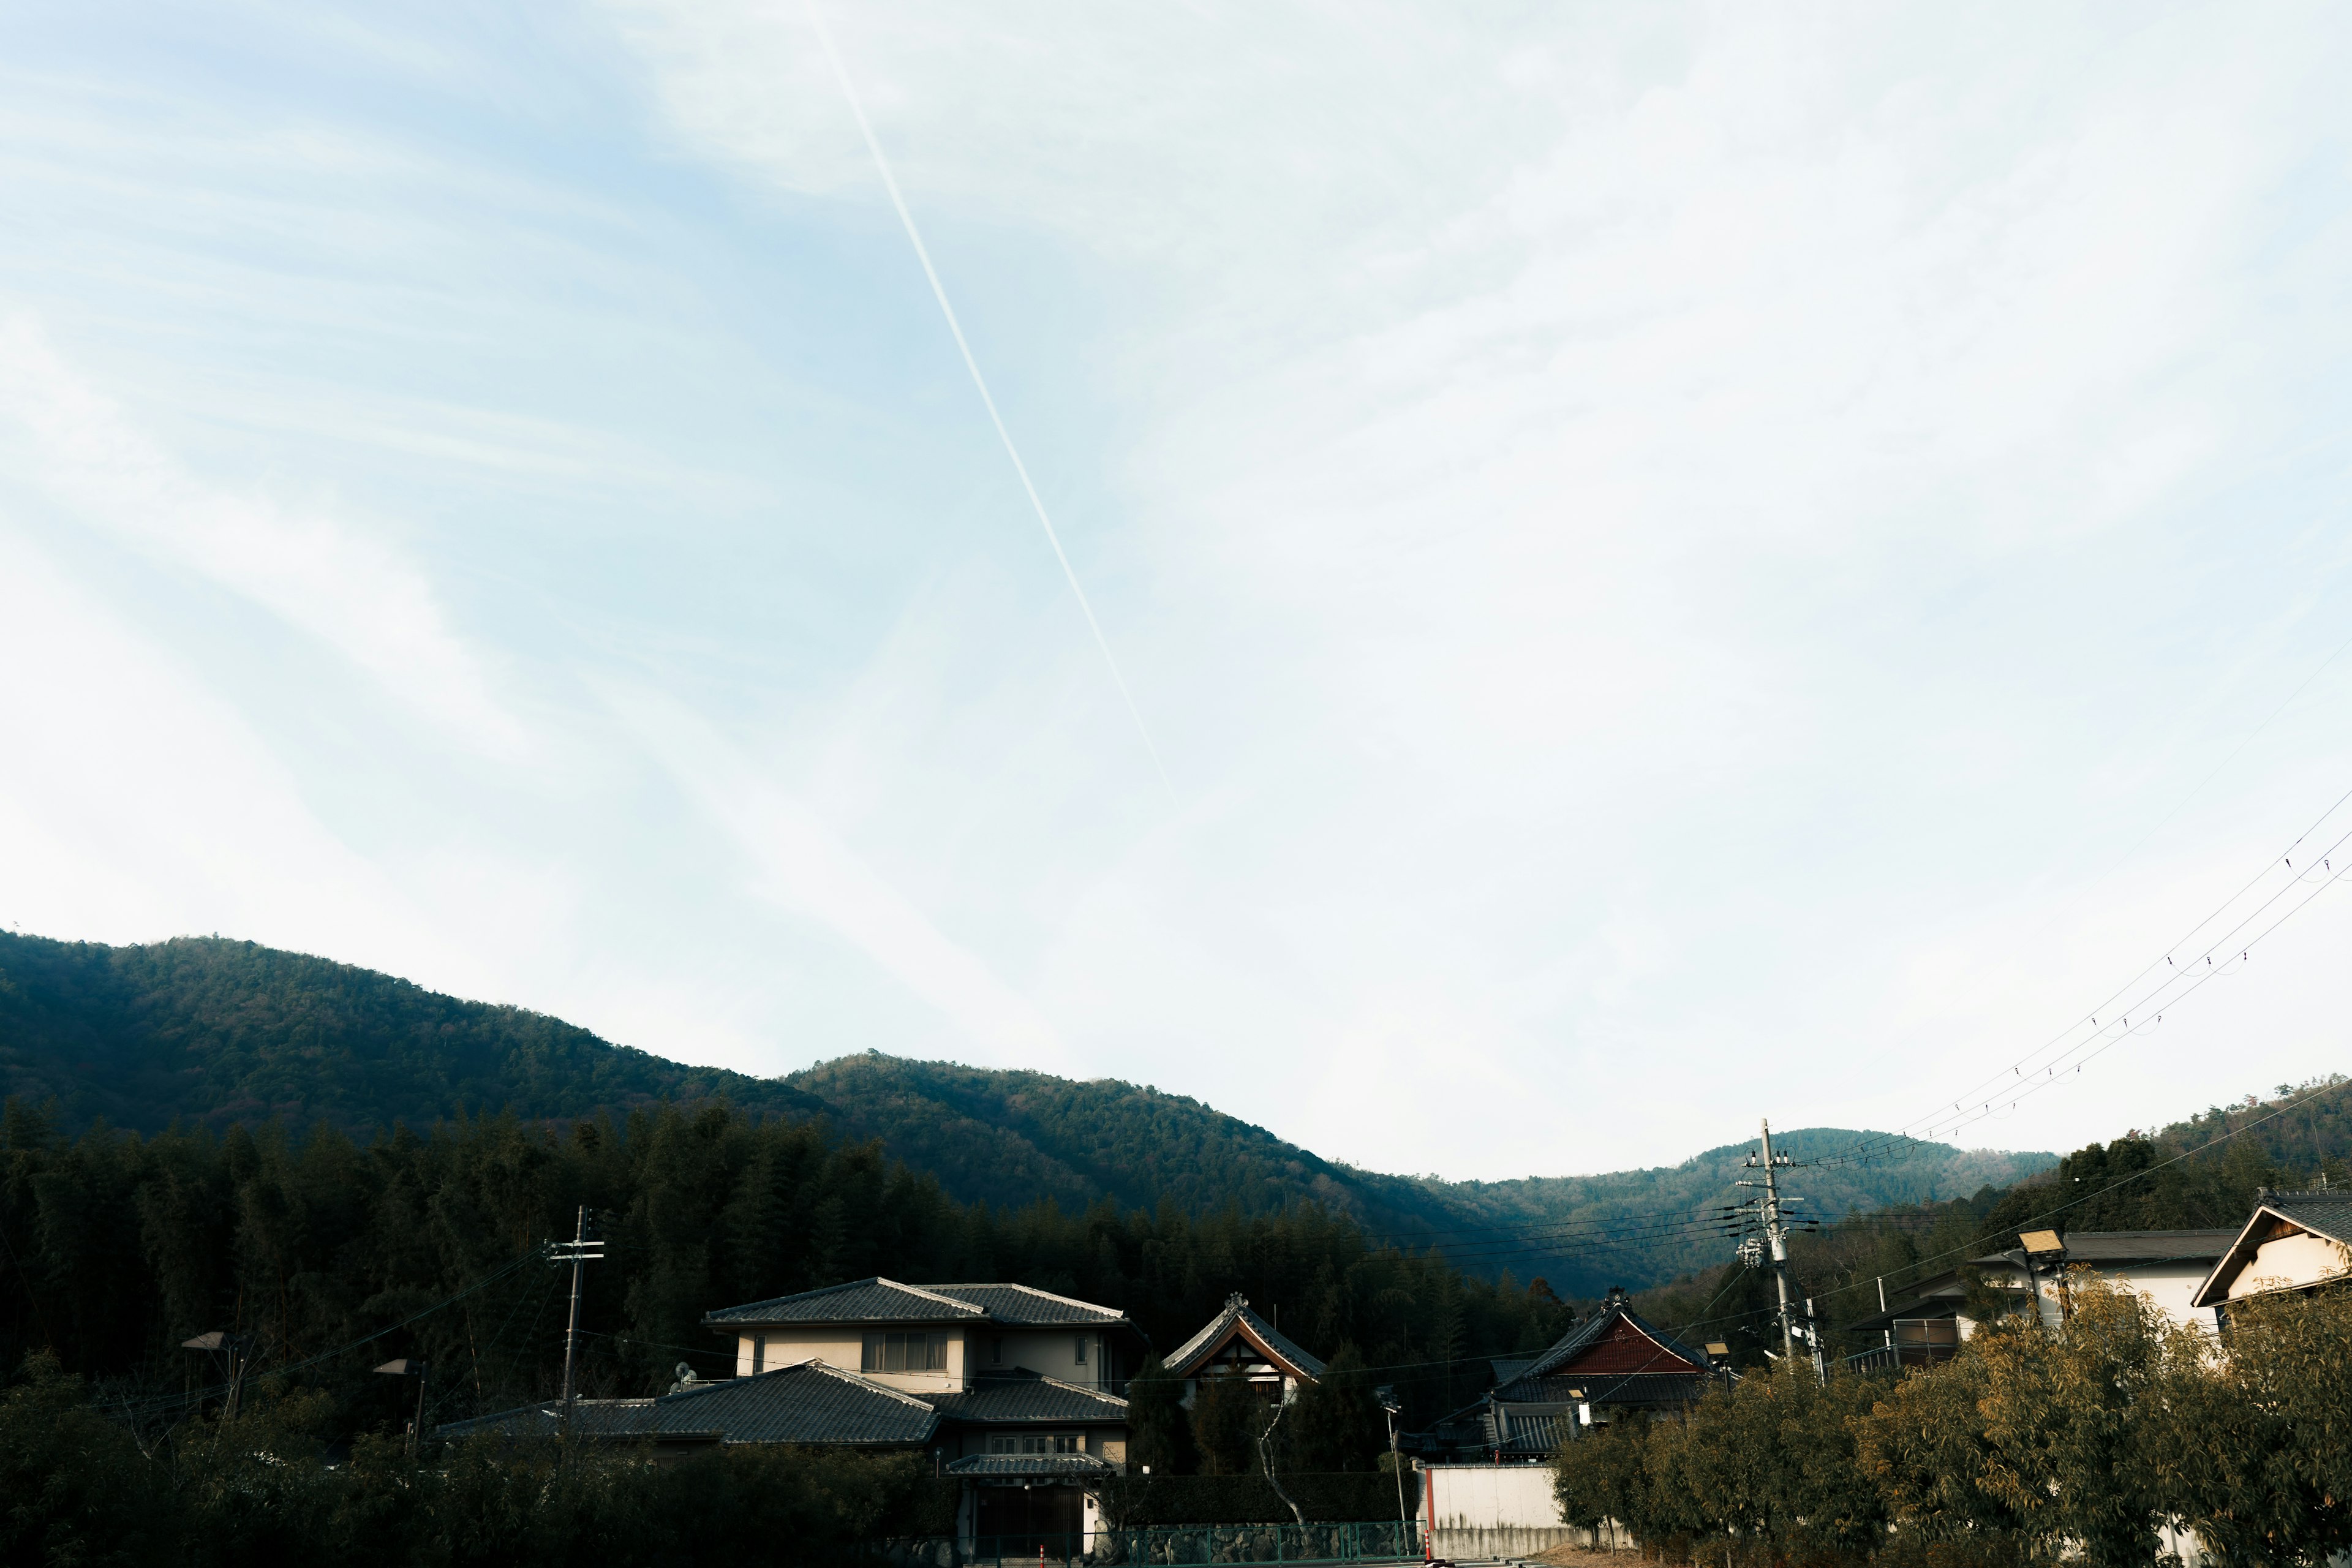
x: 1684, y: 565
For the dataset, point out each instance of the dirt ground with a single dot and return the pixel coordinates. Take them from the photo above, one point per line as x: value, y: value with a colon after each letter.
x: 1577, y: 1557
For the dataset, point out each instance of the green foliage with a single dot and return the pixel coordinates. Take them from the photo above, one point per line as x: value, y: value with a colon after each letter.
x: 75, y: 1490
x: 212, y: 1033
x: 119, y: 1247
x: 1227, y: 1416
x: 1763, y: 1472
x: 203, y: 1030
x: 1159, y: 1429
x: 1336, y: 1423
x: 2256, y: 1450
x: 2033, y: 1445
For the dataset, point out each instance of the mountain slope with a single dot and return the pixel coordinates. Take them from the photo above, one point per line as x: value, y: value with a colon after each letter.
x: 214, y: 1032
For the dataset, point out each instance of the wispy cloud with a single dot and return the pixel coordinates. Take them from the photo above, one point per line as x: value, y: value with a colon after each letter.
x: 349, y: 590
x: 793, y: 861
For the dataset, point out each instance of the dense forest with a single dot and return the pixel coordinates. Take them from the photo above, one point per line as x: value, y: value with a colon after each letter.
x: 330, y: 1256
x: 214, y: 1032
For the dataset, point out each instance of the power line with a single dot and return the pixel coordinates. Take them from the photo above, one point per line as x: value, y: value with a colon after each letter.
x: 2156, y: 998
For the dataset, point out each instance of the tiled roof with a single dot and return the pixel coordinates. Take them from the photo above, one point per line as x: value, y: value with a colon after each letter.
x: 1189, y: 1355
x: 1590, y: 1332
x: 2327, y: 1213
x: 876, y: 1300
x: 1056, y: 1466
x: 1529, y: 1430
x: 811, y: 1402
x: 590, y: 1418
x: 2112, y: 1247
x: 1610, y: 1388
x: 1024, y: 1305
x: 1028, y: 1396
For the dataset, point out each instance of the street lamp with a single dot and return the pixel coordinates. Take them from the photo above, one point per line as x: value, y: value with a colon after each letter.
x: 408, y: 1366
x: 221, y: 1343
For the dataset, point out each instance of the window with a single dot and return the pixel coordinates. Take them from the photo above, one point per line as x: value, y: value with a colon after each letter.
x: 1082, y: 1350
x: 905, y: 1352
x: 996, y: 1350
x: 1042, y: 1443
x: 759, y: 1354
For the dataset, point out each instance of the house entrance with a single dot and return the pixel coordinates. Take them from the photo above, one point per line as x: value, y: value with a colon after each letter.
x: 1031, y: 1515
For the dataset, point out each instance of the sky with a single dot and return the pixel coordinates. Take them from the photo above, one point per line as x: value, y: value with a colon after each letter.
x: 1681, y: 565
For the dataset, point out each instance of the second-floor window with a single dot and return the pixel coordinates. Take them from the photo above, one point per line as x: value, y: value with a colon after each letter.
x: 905, y: 1352
x: 1082, y: 1350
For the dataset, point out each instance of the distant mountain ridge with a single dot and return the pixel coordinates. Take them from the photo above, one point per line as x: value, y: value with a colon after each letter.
x: 215, y: 1031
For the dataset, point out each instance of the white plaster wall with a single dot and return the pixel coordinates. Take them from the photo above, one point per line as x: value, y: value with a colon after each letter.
x: 2304, y: 1260
x: 1053, y: 1353
x: 846, y: 1348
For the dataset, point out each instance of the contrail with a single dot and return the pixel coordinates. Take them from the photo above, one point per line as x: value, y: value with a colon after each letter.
x: 915, y: 237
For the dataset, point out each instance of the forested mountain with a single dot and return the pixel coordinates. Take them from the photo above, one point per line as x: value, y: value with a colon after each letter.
x: 211, y: 1031
x: 214, y: 1033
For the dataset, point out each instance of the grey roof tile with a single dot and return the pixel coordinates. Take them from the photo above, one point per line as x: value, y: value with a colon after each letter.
x: 811, y: 1402
x: 1186, y: 1356
x: 1593, y: 1330
x: 1028, y: 1396
x: 1024, y: 1305
x: 876, y: 1300
x: 1054, y: 1467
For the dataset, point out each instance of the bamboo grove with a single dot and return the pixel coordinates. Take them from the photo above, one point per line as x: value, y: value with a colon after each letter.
x: 318, y: 1249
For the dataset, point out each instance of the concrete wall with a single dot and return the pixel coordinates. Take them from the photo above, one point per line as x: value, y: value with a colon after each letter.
x: 1493, y: 1510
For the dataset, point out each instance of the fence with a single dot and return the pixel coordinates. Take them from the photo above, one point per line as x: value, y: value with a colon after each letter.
x: 1176, y: 1546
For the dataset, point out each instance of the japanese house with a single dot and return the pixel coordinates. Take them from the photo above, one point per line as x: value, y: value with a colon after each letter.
x: 2294, y: 1241
x: 1237, y: 1342
x: 1929, y: 1319
x: 1614, y: 1364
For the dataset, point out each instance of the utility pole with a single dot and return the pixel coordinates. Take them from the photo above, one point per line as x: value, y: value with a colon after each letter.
x: 577, y: 1250
x: 1776, y: 1238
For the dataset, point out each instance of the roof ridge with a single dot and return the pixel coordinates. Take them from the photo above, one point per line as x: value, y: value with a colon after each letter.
x: 844, y: 1375
x: 1030, y: 1289
x: 1082, y: 1388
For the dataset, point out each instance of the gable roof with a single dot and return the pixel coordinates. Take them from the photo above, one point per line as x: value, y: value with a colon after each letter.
x: 875, y: 1301
x: 880, y: 1300
x: 1605, y: 1352
x: 1026, y: 1305
x: 1025, y: 1395
x: 2326, y: 1214
x: 811, y: 1402
x: 1237, y: 1318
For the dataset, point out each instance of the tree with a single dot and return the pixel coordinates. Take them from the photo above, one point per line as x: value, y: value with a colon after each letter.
x: 1158, y: 1432
x: 74, y: 1488
x: 1336, y: 1423
x: 2256, y: 1443
x: 1227, y: 1416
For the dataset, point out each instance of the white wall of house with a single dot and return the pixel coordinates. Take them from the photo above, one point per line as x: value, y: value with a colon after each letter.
x: 2289, y: 1261
x: 765, y: 1350
x: 1053, y: 1352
